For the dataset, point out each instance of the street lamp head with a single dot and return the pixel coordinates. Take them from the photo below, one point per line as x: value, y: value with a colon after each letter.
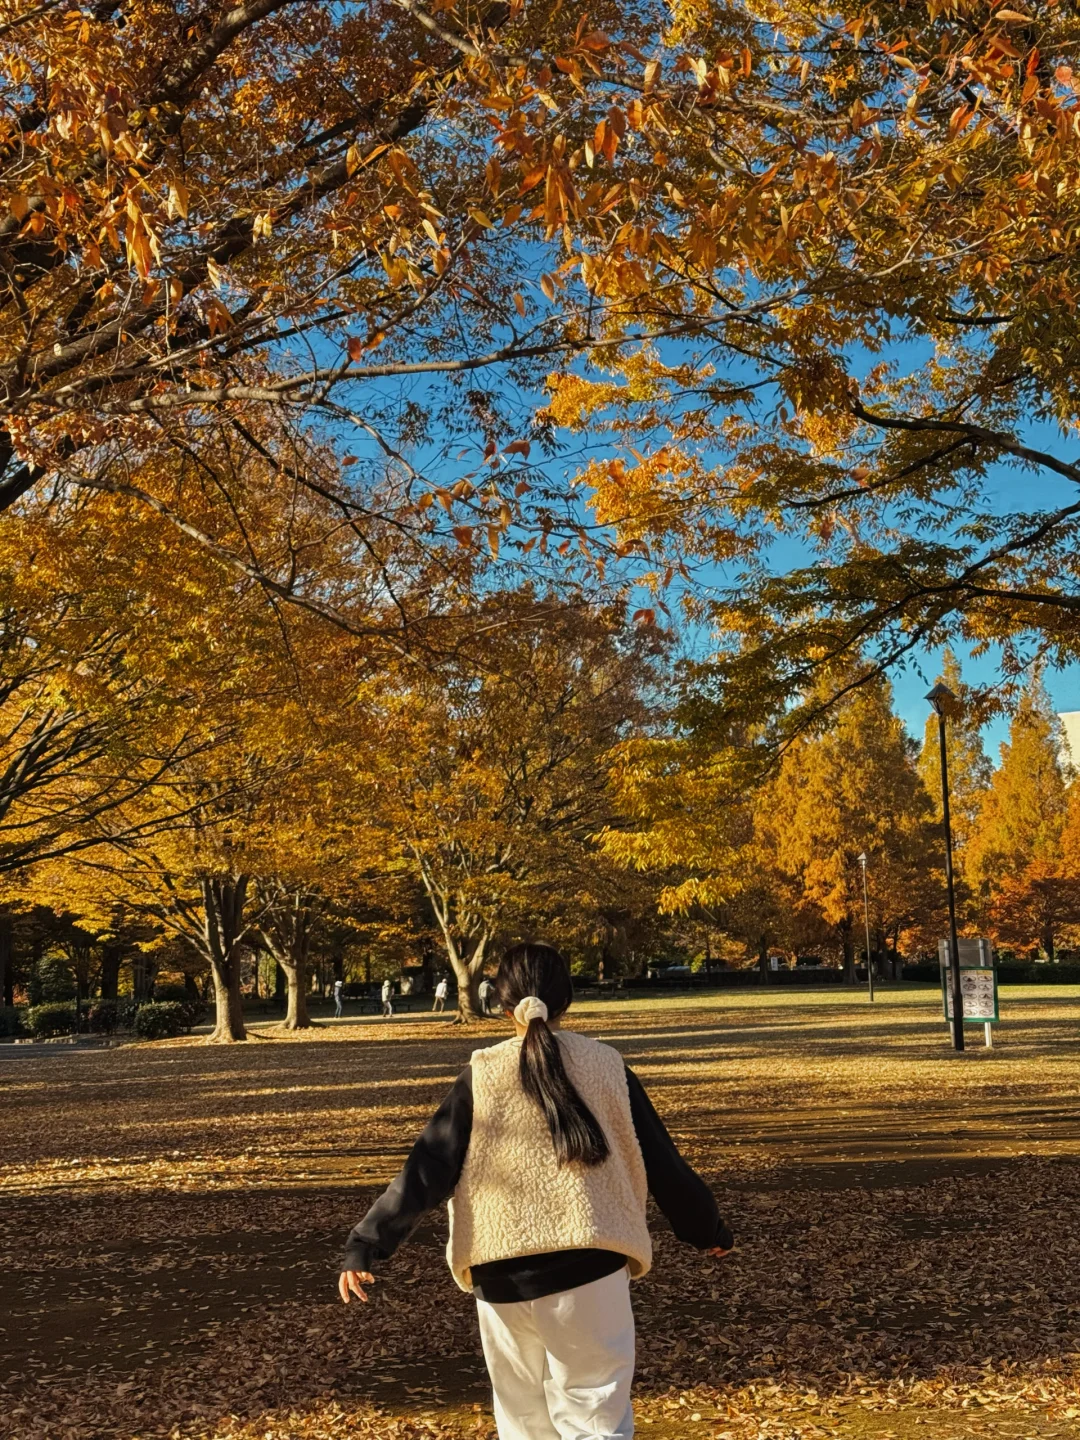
x: 862, y: 859
x: 942, y: 698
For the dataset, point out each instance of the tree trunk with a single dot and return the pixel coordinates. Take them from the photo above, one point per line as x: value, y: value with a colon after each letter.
x: 81, y: 966
x: 763, y: 960
x: 279, y: 986
x: 1048, y: 942
x: 228, y: 1006
x: 286, y: 938
x: 224, y: 899
x: 7, y: 960
x: 850, y: 978
x: 297, y: 990
x: 296, y: 1010
x: 140, y: 982
x: 111, y: 958
x: 468, y: 974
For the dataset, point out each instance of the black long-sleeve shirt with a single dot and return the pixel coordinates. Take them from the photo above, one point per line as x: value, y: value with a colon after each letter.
x: 431, y: 1173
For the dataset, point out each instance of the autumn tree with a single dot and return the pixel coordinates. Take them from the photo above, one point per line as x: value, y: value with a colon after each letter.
x: 852, y: 790
x: 1015, y: 856
x: 489, y: 785
x: 697, y: 222
x: 82, y: 682
x: 775, y: 854
x: 685, y: 808
x: 969, y: 767
x: 254, y: 225
x: 855, y: 224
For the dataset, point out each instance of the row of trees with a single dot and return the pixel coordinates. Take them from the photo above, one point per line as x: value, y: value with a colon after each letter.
x: 262, y: 794
x: 781, y: 865
x: 248, y: 778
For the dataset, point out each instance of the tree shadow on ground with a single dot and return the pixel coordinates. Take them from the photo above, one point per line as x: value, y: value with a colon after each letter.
x: 173, y: 1217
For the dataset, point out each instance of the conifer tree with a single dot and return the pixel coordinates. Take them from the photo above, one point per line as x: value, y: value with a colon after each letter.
x: 969, y: 766
x: 1015, y: 854
x: 854, y: 789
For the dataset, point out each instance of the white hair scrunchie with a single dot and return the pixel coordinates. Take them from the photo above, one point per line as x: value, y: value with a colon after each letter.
x: 530, y: 1008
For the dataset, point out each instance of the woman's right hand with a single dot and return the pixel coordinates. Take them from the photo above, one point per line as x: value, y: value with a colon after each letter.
x: 350, y: 1283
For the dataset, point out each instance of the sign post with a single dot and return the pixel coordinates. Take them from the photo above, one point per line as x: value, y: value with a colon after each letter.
x: 978, y: 984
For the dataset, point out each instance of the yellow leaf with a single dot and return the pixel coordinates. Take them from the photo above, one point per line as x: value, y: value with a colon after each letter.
x: 178, y: 201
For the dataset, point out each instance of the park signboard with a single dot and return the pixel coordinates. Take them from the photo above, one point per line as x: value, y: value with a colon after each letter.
x: 978, y: 982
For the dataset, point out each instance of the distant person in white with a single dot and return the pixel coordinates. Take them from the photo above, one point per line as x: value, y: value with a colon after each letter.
x: 337, y: 999
x: 442, y: 990
x: 387, y: 997
x: 484, y: 993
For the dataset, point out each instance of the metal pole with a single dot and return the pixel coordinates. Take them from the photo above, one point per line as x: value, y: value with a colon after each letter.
x: 954, y: 942
x: 866, y: 918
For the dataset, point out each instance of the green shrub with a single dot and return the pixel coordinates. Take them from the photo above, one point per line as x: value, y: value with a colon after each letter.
x: 11, y: 1020
x: 127, y: 1007
x: 1063, y: 974
x: 192, y: 1005
x: 102, y: 1017
x: 1016, y: 972
x: 160, y: 1020
x: 53, y: 1018
x: 920, y: 972
x: 52, y: 979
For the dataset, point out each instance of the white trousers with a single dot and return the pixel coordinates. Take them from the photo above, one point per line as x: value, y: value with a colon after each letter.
x: 561, y: 1367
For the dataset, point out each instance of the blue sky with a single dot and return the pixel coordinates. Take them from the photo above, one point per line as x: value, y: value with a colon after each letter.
x: 1008, y: 490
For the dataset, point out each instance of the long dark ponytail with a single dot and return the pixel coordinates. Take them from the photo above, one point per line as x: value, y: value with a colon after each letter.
x: 541, y: 971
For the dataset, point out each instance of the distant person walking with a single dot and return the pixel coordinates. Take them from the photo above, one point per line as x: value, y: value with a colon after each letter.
x: 387, y: 997
x: 548, y: 1146
x: 442, y: 990
x: 484, y: 996
x: 338, y: 987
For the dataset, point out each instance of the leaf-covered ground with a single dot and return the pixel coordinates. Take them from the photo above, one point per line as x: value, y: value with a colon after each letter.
x: 907, y: 1224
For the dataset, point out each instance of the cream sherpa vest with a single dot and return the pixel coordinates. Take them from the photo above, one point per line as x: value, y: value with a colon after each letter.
x: 513, y: 1199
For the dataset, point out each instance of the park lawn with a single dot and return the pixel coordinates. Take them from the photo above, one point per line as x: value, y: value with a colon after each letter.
x: 906, y: 1221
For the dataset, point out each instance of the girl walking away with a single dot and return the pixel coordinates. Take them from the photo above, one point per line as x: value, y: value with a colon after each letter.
x: 546, y: 1147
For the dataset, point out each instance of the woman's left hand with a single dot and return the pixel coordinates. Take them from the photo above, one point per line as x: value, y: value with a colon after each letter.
x: 351, y: 1281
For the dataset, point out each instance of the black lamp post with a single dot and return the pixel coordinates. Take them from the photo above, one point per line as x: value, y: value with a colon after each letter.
x: 941, y: 697
x: 866, y: 919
